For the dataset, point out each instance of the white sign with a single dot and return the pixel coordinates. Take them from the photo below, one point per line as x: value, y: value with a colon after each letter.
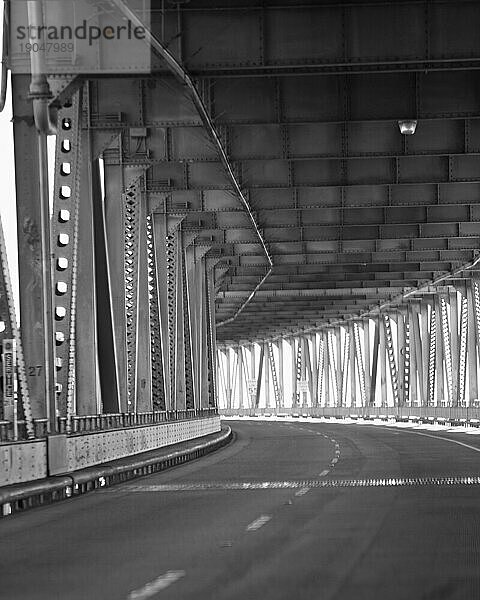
x: 303, y: 386
x: 8, y: 365
x: 252, y: 386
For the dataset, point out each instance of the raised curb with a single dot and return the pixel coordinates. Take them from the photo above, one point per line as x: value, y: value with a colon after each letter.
x: 442, y: 420
x: 22, y: 496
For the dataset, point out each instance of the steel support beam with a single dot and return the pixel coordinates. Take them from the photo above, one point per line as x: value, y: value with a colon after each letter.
x: 39, y: 369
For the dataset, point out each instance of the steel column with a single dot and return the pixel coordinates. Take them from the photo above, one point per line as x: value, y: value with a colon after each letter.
x: 454, y: 342
x: 353, y: 381
x: 373, y: 381
x: 401, y: 352
x: 259, y: 376
x: 29, y: 224
x: 432, y: 357
x: 241, y: 376
x: 368, y: 366
x: 472, y: 347
x: 338, y: 364
x: 360, y: 363
x: 439, y: 354
x: 281, y: 380
x: 462, y: 360
x: 447, y: 349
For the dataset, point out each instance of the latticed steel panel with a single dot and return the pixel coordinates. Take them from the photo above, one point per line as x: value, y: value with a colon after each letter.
x: 391, y: 359
x: 158, y: 387
x: 345, y: 367
x: 298, y: 372
x: 476, y: 306
x: 171, y: 241
x: 189, y: 386
x: 447, y: 349
x: 65, y: 225
x: 276, y: 389
x: 462, y: 362
x: 333, y: 364
x: 131, y: 200
x: 408, y: 350
x: 209, y: 290
x: 10, y: 330
x: 432, y: 357
x: 321, y: 369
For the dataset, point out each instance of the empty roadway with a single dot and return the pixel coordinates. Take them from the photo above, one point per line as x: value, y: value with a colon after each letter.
x: 294, y: 510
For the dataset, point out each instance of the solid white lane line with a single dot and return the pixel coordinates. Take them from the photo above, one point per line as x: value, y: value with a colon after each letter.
x: 439, y: 437
x: 260, y: 522
x: 157, y: 585
x: 302, y: 492
x: 323, y: 473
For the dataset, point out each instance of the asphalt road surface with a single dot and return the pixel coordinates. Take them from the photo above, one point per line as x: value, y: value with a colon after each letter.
x: 287, y: 511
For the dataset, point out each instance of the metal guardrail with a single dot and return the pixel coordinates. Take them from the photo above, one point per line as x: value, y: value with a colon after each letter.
x: 105, y: 422
x: 452, y: 414
x: 20, y: 497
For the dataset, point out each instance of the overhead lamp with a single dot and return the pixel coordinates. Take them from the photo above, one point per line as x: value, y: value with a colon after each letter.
x: 407, y: 126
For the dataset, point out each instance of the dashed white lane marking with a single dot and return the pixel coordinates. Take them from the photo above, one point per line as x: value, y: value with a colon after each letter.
x: 260, y: 522
x: 334, y: 461
x: 157, y: 585
x: 324, y: 473
x: 302, y: 492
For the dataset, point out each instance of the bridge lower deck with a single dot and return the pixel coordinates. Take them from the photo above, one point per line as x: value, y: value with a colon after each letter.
x: 272, y: 516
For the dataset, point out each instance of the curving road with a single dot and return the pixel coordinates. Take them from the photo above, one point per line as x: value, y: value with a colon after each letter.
x: 288, y: 511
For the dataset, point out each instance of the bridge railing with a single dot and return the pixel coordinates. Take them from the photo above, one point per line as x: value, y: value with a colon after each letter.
x: 103, y: 422
x: 453, y: 414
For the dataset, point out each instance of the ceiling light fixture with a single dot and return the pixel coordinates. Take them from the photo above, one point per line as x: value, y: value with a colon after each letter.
x: 407, y: 126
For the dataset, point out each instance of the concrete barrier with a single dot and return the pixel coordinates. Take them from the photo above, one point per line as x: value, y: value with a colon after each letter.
x: 21, y: 462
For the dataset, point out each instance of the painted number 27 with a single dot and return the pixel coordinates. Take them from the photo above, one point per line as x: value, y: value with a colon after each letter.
x: 35, y: 371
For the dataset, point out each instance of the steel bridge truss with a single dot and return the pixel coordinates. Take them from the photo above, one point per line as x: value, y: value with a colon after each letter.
x: 259, y: 194
x: 133, y: 292
x: 423, y: 354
